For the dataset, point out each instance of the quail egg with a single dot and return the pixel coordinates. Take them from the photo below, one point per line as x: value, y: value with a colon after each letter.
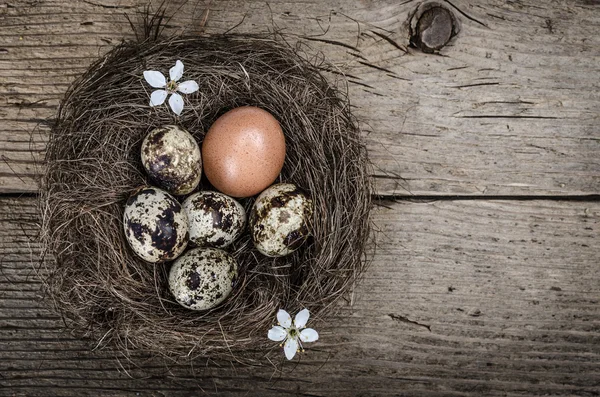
x: 156, y: 227
x: 279, y: 220
x: 172, y: 159
x: 202, y: 278
x: 216, y: 220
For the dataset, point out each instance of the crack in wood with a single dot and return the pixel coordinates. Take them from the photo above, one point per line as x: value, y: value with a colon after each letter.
x: 357, y: 56
x: 332, y: 42
x: 392, y: 42
x: 121, y: 7
x: 475, y: 85
x: 500, y: 116
x: 377, y: 67
x: 467, y: 15
x: 433, y: 198
x: 403, y: 319
x: 347, y: 75
x: 507, y: 102
x: 363, y: 84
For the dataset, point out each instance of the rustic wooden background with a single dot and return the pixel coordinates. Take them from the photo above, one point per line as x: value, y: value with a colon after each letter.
x: 486, y: 279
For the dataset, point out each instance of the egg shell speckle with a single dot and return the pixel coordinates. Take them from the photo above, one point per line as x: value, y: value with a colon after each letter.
x: 202, y: 278
x: 172, y: 159
x: 279, y: 220
x: 216, y: 220
x: 156, y: 227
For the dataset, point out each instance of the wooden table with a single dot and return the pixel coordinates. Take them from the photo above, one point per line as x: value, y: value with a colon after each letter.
x: 486, y: 277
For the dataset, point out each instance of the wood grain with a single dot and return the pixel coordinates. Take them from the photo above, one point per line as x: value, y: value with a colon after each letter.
x: 463, y: 298
x: 509, y: 108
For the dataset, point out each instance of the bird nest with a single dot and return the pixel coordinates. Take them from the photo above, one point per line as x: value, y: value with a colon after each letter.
x: 93, y: 165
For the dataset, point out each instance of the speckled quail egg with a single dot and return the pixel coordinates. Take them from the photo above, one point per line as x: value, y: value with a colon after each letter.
x: 202, y: 278
x: 216, y: 220
x: 279, y: 220
x: 172, y: 159
x: 156, y: 227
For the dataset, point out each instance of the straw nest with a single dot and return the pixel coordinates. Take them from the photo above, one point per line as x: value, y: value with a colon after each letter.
x: 93, y: 164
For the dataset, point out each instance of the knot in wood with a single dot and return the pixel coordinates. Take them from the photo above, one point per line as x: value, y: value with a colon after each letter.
x: 434, y: 28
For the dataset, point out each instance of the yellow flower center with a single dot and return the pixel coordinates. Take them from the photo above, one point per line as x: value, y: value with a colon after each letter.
x: 293, y: 332
x: 172, y: 86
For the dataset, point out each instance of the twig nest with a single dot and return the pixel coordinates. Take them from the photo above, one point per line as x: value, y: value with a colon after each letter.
x: 116, y: 297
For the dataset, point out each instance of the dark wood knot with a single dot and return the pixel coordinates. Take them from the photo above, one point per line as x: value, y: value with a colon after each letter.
x: 431, y: 27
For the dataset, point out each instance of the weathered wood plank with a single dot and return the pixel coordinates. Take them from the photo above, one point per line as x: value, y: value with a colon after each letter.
x: 510, y: 292
x: 510, y: 108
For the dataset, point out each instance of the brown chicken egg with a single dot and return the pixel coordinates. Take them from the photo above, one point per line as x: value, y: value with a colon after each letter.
x: 243, y: 151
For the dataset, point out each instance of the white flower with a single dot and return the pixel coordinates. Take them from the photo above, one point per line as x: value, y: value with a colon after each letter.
x: 292, y: 334
x: 158, y: 80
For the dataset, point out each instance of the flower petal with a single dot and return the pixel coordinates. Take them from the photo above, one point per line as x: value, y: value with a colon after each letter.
x: 158, y: 97
x: 301, y: 318
x: 155, y: 79
x: 308, y: 335
x: 290, y: 348
x: 277, y: 334
x: 187, y: 87
x: 176, y: 71
x: 176, y: 102
x: 284, y: 318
